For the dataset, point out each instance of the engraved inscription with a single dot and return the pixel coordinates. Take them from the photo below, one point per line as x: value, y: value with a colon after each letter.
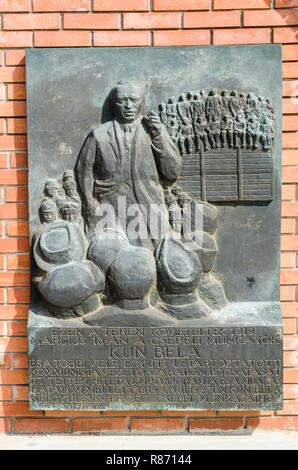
x: 205, y: 368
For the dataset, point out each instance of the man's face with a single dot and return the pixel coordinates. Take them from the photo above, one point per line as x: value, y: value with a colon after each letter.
x: 127, y: 103
x: 49, y: 216
x: 51, y: 191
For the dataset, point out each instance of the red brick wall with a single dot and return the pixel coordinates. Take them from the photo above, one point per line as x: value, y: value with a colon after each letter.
x: 70, y: 23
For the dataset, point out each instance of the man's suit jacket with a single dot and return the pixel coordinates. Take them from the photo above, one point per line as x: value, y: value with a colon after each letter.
x: 101, y: 162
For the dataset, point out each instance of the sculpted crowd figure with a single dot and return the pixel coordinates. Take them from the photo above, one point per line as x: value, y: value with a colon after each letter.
x: 219, y: 119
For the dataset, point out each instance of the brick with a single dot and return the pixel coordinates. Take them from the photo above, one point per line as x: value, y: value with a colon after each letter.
x: 119, y: 5
x: 14, y: 5
x: 290, y: 325
x: 151, y: 20
x: 91, y: 21
x: 291, y: 376
x: 18, y: 160
x: 19, y: 361
x: 21, y: 393
x: 290, y: 52
x: 2, y: 261
x: 289, y: 175
x: 290, y: 88
x: 2, y: 126
x: 288, y: 192
x: 287, y: 293
x: 290, y: 123
x: 14, y: 211
x: 17, y: 409
x: 181, y: 5
x: 3, y: 160
x: 290, y: 69
x: 19, y: 194
x: 14, y: 377
x: 157, y: 424
x: 290, y: 343
x: 6, y: 361
x: 285, y: 3
x: 240, y: 4
x: 13, y: 177
x: 16, y: 91
x: 69, y: 414
x: 14, y: 245
x: 290, y: 359
x: 289, y: 106
x: 5, y: 393
x: 31, y: 21
x: 15, y: 39
x: 16, y: 279
x: 122, y: 38
x: 2, y: 298
x: 21, y: 296
x: 188, y: 413
x: 215, y: 19
x: 15, y: 57
x: 99, y: 425
x: 181, y: 38
x: 290, y: 140
x: 270, y: 18
x: 290, y: 391
x: 19, y: 262
x: 290, y: 157
x: 45, y: 425
x: 131, y: 413
x: 5, y: 426
x: 215, y: 424
x: 2, y: 91
x: 287, y: 260
x: 241, y: 36
x: 290, y: 209
x: 285, y: 35
x: 289, y: 309
x: 61, y: 5
x: 15, y: 142
x: 62, y: 39
x: 12, y: 74
x: 13, y: 312
x: 12, y: 108
x: 278, y: 422
x: 17, y: 228
x: 241, y: 413
x: 17, y: 328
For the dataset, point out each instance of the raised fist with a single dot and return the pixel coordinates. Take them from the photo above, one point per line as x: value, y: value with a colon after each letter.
x: 153, y: 123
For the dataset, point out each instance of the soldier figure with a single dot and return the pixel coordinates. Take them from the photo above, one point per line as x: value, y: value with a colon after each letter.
x: 213, y: 104
x: 184, y: 109
x: 51, y: 191
x: 253, y: 132
x: 163, y: 114
x: 48, y: 212
x: 226, y: 130
x: 225, y: 99
x: 235, y: 103
x: 198, y: 107
x: 200, y: 133
x: 213, y: 130
x: 266, y: 133
x: 171, y: 110
x: 239, y: 130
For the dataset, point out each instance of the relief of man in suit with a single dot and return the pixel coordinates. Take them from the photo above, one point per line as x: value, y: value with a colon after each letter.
x: 131, y: 155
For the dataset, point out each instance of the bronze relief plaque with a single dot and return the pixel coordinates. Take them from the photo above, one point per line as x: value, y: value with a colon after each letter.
x: 154, y: 188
